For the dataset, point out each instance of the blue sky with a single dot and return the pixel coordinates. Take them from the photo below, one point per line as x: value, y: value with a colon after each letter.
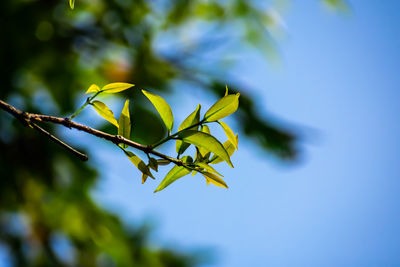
x: 340, y: 206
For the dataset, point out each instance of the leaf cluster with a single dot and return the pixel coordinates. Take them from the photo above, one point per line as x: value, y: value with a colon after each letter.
x: 193, y: 131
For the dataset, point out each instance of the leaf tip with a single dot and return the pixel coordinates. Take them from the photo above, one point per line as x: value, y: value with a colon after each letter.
x: 94, y: 88
x: 72, y: 4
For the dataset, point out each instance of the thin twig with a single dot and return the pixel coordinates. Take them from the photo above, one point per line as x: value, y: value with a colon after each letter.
x: 80, y: 155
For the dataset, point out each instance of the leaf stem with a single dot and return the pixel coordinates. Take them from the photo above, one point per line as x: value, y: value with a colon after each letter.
x: 88, y: 101
x: 173, y: 136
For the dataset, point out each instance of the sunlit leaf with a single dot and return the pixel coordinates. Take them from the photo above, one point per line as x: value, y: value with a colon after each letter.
x: 229, y: 133
x: 163, y: 109
x: 205, y: 129
x: 214, y: 179
x: 222, y: 108
x: 138, y: 163
x: 72, y: 4
x: 192, y: 119
x: 229, y: 147
x: 153, y: 164
x: 93, y: 89
x: 124, y: 123
x: 144, y: 178
x: 203, y: 151
x: 226, y: 90
x: 104, y: 111
x: 116, y: 87
x: 174, y: 174
x: 208, y: 168
x: 204, y: 140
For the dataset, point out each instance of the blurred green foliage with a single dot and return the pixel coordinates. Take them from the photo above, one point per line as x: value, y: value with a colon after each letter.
x: 50, y: 54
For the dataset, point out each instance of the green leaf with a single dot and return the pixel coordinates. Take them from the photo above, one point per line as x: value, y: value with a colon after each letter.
x: 226, y: 90
x: 214, y: 179
x: 208, y: 168
x: 229, y: 133
x: 138, y: 163
x: 163, y: 109
x: 192, y: 119
x: 204, y: 140
x: 116, y: 87
x: 72, y: 4
x: 124, y: 123
x: 153, y: 164
x: 93, y: 89
x: 203, y: 152
x: 222, y: 108
x: 205, y: 129
x: 174, y: 174
x: 229, y: 147
x: 104, y: 111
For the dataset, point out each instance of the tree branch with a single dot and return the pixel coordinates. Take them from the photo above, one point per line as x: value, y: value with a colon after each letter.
x: 27, y: 118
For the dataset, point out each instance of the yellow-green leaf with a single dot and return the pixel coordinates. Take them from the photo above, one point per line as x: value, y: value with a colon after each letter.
x: 229, y: 147
x: 144, y: 178
x: 72, y: 4
x: 163, y: 109
x: 116, y: 87
x: 192, y: 119
x: 139, y: 163
x: 93, y: 89
x: 214, y: 179
x: 222, y: 108
x: 104, y: 111
x: 174, y: 174
x: 205, y: 129
x: 124, y: 123
x: 203, y: 151
x: 208, y: 168
x: 204, y: 140
x: 226, y: 90
x: 229, y: 133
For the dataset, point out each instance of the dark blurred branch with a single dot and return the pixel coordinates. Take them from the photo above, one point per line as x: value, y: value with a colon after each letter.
x: 28, y: 119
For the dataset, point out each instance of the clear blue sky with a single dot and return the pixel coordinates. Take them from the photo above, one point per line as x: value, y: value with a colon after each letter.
x: 341, y: 205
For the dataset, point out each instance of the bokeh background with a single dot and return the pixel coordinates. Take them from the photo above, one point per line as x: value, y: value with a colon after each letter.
x: 316, y: 176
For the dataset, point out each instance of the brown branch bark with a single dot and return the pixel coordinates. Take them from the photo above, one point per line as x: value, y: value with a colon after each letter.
x: 28, y: 118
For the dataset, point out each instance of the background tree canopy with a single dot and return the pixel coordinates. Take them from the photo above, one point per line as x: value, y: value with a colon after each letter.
x: 51, y: 54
